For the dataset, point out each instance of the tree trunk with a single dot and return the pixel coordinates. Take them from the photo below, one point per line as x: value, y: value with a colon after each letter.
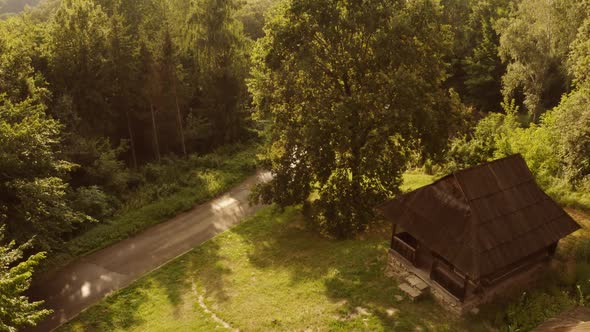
x: 155, y: 129
x: 179, y: 120
x: 133, y: 153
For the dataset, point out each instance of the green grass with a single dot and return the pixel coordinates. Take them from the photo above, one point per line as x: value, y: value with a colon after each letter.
x: 172, y: 187
x: 270, y: 273
x: 415, y: 179
x: 574, y: 199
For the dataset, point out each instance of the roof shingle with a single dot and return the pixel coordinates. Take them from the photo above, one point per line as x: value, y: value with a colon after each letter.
x: 483, y: 218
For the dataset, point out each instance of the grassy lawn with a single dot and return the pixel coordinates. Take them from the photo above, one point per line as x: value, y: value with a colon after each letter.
x: 271, y: 273
x: 172, y: 187
x: 415, y: 179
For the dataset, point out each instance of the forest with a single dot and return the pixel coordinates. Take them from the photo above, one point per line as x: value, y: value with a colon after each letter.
x: 107, y: 106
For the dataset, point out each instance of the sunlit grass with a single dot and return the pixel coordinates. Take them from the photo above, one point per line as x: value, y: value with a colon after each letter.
x: 415, y: 179
x: 271, y: 273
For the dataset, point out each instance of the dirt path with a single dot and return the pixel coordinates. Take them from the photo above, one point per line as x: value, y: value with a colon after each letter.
x: 90, y: 278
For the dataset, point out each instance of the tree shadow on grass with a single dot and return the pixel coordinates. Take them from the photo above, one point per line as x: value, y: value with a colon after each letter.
x: 182, y: 275
x: 174, y: 282
x: 173, y: 279
x: 118, y: 311
x: 279, y: 239
x: 352, y: 273
x: 170, y: 288
x: 206, y: 264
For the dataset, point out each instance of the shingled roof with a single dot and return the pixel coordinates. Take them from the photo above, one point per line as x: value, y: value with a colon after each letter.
x: 483, y: 218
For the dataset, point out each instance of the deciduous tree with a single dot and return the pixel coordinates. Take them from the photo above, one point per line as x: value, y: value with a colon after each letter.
x: 535, y: 41
x: 347, y: 86
x: 16, y: 311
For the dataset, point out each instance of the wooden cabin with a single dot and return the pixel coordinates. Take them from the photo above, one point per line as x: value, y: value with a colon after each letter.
x: 476, y: 228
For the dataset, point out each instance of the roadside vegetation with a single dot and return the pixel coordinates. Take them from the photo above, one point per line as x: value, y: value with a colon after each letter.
x: 163, y: 191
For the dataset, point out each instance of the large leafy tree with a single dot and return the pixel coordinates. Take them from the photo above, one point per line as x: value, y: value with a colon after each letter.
x: 171, y: 74
x: 484, y: 70
x: 121, y: 72
x: 33, y: 188
x: 571, y: 128
x: 16, y: 311
x: 347, y: 86
x: 33, y: 193
x: 571, y: 119
x: 476, y: 68
x: 91, y: 76
x: 252, y: 16
x: 481, y: 63
x: 535, y: 42
x: 20, y: 52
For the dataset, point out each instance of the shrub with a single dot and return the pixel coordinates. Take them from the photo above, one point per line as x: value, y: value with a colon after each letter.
x: 99, y: 165
x: 482, y: 145
x: 571, y: 127
x: 583, y: 277
x: 557, y: 150
x: 94, y: 202
x: 532, y: 309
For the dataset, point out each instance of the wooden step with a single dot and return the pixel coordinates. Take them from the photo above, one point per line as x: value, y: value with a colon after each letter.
x: 412, y: 292
x: 417, y: 283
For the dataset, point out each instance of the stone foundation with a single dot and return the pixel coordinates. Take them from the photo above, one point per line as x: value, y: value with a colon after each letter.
x: 400, y: 268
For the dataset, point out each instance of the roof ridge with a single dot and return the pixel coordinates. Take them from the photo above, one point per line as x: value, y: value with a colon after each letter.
x: 473, y: 232
x: 487, y: 163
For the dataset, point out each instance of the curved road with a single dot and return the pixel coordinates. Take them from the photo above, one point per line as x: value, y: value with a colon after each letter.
x: 87, y: 280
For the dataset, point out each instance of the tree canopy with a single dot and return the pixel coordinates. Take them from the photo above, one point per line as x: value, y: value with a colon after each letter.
x: 347, y: 87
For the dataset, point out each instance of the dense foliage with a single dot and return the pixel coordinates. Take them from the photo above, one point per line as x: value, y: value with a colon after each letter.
x: 97, y: 95
x: 16, y: 311
x: 555, y: 140
x: 91, y: 90
x: 347, y: 88
x: 535, y: 42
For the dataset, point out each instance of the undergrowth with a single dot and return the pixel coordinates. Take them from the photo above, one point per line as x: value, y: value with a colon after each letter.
x: 162, y: 191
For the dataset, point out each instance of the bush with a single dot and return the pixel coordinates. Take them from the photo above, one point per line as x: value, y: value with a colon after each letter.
x: 553, y: 149
x: 99, y: 165
x: 532, y: 309
x: 94, y: 202
x: 582, y: 279
x: 562, y: 192
x: 571, y: 127
x: 482, y: 145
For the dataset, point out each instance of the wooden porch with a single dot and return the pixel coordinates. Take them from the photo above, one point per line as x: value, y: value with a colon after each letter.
x: 416, y: 267
x: 429, y: 266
